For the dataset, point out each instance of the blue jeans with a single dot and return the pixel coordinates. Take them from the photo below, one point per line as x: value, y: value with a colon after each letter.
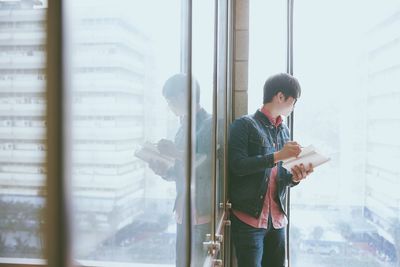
x: 258, y: 247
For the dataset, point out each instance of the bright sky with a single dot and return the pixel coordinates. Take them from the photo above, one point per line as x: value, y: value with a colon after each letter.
x: 318, y: 25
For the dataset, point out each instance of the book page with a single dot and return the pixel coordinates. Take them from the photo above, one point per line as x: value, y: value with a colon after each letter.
x: 308, y: 155
x: 149, y: 152
x: 304, y: 152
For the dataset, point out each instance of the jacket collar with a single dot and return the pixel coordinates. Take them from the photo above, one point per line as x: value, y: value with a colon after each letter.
x: 264, y: 119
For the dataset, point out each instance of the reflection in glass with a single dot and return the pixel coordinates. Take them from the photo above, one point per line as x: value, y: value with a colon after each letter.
x: 22, y: 128
x: 121, y: 58
x: 221, y: 106
x: 202, y: 192
x: 175, y: 92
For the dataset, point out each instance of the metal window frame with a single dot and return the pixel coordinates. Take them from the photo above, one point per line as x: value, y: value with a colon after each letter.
x: 223, y: 225
x: 218, y: 225
x: 290, y: 119
x: 214, y: 227
x: 22, y: 263
x: 225, y: 113
x: 229, y: 118
x: 58, y: 251
x: 187, y: 7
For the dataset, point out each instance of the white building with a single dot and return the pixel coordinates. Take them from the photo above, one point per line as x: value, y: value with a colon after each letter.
x: 22, y: 102
x: 382, y: 200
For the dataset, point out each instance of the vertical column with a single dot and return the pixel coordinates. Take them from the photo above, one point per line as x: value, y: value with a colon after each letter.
x: 290, y: 121
x: 190, y: 130
x: 240, y: 58
x: 58, y: 253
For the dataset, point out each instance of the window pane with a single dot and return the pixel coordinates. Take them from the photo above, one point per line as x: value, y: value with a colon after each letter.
x: 347, y: 212
x: 128, y: 186
x: 22, y: 128
x: 267, y: 46
x: 203, y: 71
x: 221, y: 105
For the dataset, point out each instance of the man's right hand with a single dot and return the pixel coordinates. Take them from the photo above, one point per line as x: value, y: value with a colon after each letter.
x: 290, y: 150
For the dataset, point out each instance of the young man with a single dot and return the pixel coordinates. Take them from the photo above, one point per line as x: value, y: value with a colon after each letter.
x: 175, y: 93
x: 257, y: 145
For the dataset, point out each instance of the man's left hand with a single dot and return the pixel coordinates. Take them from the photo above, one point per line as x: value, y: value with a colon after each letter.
x: 299, y: 172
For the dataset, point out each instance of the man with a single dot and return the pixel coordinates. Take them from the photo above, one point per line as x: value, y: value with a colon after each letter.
x: 175, y: 93
x: 257, y: 145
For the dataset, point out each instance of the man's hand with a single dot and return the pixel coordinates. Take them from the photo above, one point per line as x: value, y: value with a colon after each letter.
x: 290, y: 149
x: 158, y: 167
x: 299, y: 172
x: 168, y: 148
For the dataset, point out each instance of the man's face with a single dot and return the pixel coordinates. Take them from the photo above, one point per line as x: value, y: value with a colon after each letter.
x: 177, y: 104
x: 286, y: 105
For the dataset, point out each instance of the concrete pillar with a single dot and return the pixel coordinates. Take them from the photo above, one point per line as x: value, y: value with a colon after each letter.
x: 240, y: 58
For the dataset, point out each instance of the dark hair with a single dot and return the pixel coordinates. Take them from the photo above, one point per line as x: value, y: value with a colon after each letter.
x: 284, y: 83
x: 177, y: 84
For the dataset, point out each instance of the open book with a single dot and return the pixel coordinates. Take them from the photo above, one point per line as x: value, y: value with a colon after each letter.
x: 149, y: 152
x: 307, y: 155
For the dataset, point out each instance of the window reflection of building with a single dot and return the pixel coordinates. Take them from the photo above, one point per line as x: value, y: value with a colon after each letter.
x: 383, y: 127
x: 22, y: 126
x: 110, y: 84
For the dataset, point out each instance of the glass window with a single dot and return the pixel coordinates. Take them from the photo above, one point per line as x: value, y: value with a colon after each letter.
x: 129, y: 132
x: 347, y: 212
x: 203, y: 73
x: 22, y: 129
x: 221, y: 106
x: 267, y: 46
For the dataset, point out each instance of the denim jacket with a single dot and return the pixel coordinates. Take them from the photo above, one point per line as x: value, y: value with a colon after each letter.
x: 202, y: 182
x: 252, y: 142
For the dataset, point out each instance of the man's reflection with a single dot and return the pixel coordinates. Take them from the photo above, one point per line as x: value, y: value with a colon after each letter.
x: 175, y: 92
